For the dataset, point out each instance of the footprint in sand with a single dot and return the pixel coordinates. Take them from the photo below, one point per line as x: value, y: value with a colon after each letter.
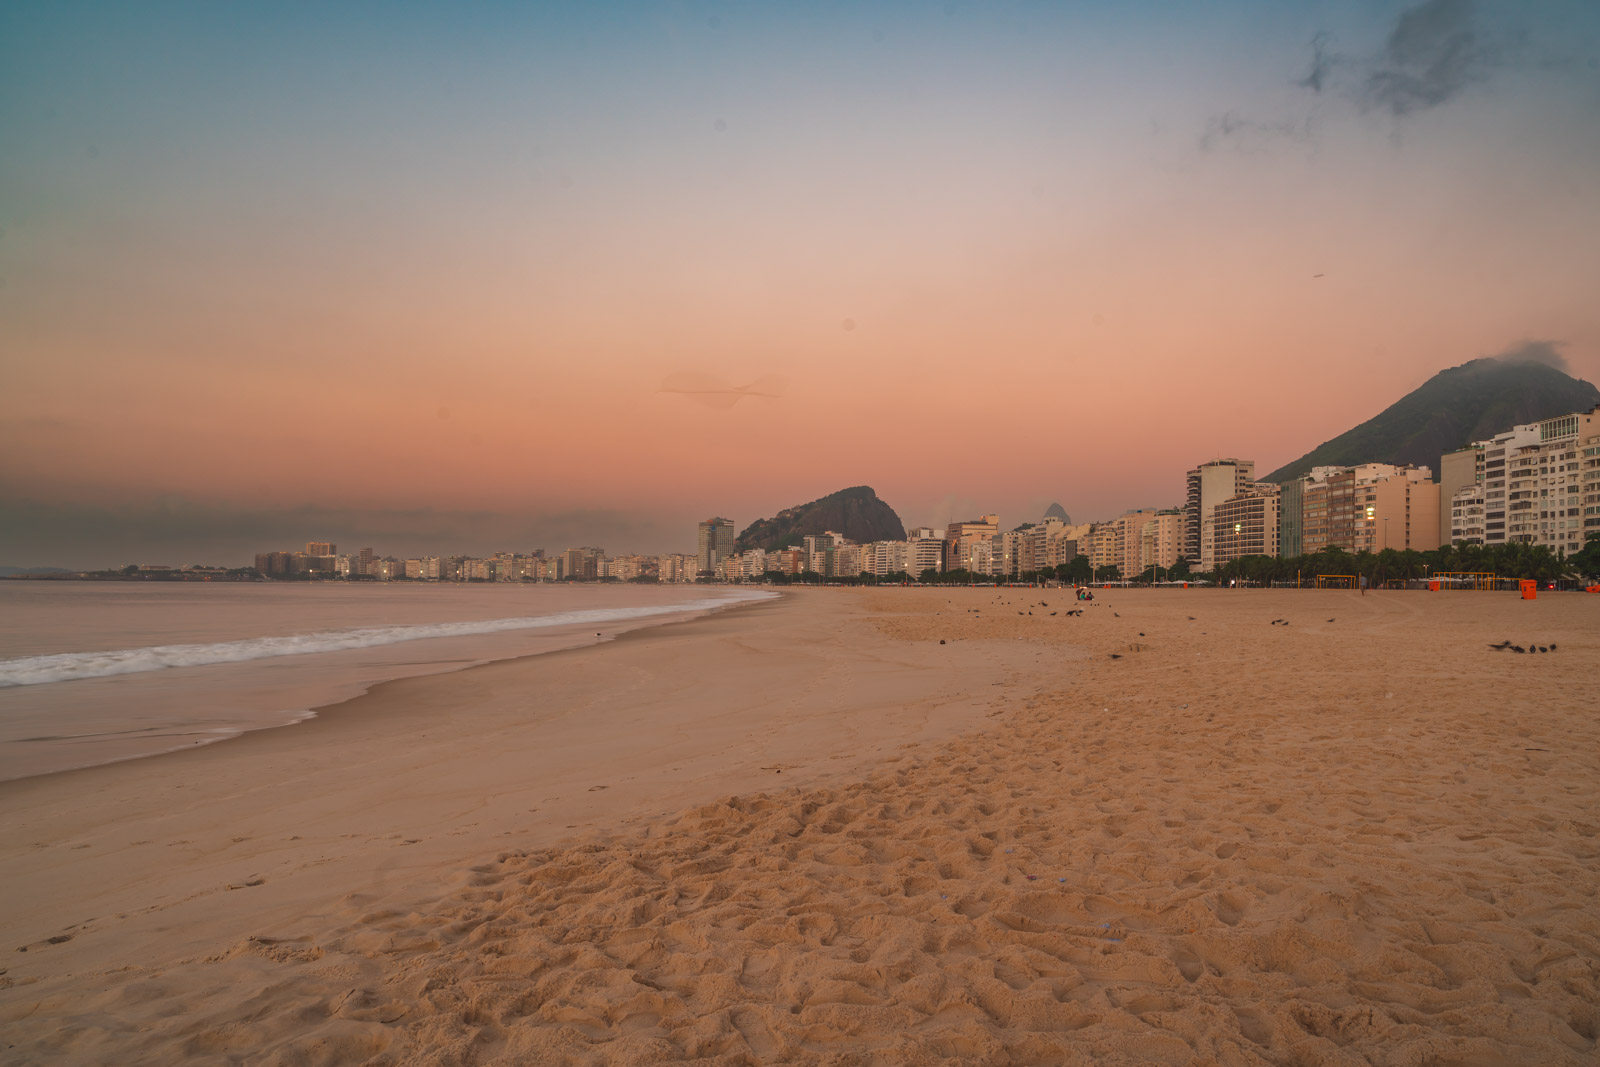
x: 59, y: 939
x: 1189, y: 965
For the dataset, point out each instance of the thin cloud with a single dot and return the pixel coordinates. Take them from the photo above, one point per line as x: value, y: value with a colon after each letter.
x: 1546, y: 352
x: 1241, y: 131
x: 716, y: 393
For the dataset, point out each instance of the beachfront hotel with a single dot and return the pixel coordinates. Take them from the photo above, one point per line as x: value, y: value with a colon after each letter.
x: 1210, y: 484
x: 715, y: 541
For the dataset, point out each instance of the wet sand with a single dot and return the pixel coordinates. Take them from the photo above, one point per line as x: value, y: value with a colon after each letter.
x: 809, y: 832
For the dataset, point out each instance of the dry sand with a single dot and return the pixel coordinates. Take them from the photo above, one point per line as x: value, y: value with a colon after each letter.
x: 824, y: 837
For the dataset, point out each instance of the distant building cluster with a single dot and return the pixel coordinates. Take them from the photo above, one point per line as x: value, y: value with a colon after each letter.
x: 321, y: 559
x: 1538, y: 484
x: 1137, y: 540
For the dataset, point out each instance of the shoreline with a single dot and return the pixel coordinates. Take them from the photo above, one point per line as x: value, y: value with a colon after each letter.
x: 565, y: 637
x: 429, y: 772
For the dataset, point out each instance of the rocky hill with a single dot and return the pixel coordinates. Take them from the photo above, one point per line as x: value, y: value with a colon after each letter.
x: 857, y: 513
x: 1452, y: 409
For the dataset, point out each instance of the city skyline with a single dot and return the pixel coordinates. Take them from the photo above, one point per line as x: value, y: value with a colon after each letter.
x: 1529, y: 486
x: 524, y: 275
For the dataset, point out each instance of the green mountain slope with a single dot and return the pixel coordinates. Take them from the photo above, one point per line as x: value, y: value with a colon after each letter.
x: 857, y: 513
x: 1453, y: 408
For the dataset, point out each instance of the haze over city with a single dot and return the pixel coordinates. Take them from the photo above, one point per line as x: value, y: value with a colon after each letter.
x: 468, y: 281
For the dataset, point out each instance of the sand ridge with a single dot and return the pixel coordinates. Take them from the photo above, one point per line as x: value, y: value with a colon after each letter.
x: 1361, y: 837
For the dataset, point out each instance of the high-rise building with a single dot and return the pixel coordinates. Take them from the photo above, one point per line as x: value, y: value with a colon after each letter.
x: 1210, y: 484
x: 1314, y: 531
x: 1495, y: 465
x: 1246, y: 524
x: 1291, y: 518
x: 1466, y: 515
x: 884, y: 557
x: 321, y: 548
x: 274, y: 562
x: 1140, y: 539
x: 1457, y: 469
x: 715, y: 543
x: 819, y: 552
x: 1548, y: 483
x: 1376, y: 506
x: 676, y: 567
x: 1161, y: 540
x: 924, y: 551
x: 1102, y: 548
x: 959, y: 538
x: 581, y: 564
x: 1398, y: 511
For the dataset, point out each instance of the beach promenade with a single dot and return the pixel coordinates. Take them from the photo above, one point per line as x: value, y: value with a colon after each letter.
x: 862, y: 827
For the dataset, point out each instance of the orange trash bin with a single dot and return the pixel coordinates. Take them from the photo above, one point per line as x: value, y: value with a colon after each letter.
x: 1530, y: 589
x: 1433, y: 586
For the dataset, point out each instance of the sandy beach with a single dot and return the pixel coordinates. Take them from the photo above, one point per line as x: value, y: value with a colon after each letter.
x: 862, y: 827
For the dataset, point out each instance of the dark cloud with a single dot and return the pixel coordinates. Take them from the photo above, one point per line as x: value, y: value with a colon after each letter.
x: 1322, y: 65
x: 1537, y: 352
x: 178, y: 531
x: 1433, y: 53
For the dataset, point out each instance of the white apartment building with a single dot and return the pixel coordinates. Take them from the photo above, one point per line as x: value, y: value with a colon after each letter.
x: 425, y: 569
x: 884, y: 557
x: 924, y: 551
x: 1545, y: 481
x: 676, y: 567
x: 1541, y: 483
x: 1497, y: 454
x: 1466, y: 515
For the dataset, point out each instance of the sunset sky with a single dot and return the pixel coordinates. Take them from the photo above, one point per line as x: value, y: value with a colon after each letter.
x: 436, y: 277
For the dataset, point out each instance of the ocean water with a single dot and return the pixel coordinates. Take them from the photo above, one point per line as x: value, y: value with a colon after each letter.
x: 97, y: 672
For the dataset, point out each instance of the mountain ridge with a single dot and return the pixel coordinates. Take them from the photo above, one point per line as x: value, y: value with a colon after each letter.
x: 1455, y: 407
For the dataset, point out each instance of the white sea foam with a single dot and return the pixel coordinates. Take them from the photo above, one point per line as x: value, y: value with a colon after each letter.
x: 69, y: 666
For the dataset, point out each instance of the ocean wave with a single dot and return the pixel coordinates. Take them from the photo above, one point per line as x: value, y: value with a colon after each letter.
x: 70, y: 666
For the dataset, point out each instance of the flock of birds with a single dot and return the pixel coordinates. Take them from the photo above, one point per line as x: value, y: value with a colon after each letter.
x: 1504, y: 645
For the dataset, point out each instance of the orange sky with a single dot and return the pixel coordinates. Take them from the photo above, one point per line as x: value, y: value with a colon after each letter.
x: 1064, y: 278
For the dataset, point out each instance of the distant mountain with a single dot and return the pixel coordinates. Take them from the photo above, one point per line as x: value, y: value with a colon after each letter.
x: 1452, y: 409
x: 857, y: 513
x: 12, y: 572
